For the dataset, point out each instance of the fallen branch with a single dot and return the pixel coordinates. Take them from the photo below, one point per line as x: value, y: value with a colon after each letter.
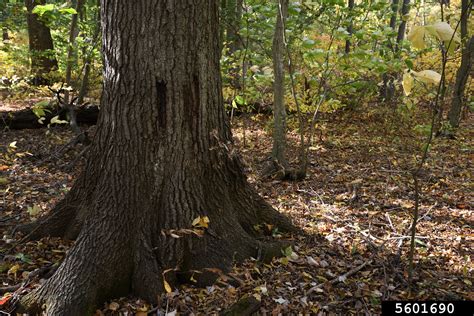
x: 340, y: 278
x: 26, y: 118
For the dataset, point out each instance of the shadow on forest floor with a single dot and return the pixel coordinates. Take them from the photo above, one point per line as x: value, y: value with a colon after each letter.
x: 364, y: 147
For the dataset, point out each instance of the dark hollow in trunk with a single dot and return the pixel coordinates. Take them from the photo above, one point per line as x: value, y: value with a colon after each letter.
x: 162, y: 156
x: 41, y: 43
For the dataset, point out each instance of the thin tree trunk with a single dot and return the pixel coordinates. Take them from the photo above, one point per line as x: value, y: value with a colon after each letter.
x: 393, y: 18
x: 162, y: 157
x: 403, y: 23
x: 462, y: 74
x: 87, y: 54
x: 222, y: 22
x: 71, y: 52
x: 41, y: 43
x: 5, y: 36
x: 234, y: 11
x: 233, y: 16
x: 350, y: 6
x: 387, y: 90
x: 279, y: 110
x: 71, y: 57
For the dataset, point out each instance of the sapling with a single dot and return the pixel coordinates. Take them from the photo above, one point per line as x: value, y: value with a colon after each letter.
x: 447, y: 39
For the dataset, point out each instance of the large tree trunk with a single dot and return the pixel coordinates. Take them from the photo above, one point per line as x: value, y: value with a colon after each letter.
x: 162, y: 156
x: 41, y: 43
x: 279, y: 110
x: 462, y: 74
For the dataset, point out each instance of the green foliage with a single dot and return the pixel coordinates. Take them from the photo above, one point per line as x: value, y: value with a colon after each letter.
x: 52, y: 13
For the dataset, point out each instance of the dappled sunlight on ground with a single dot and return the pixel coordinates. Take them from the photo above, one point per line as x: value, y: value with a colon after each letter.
x: 354, y: 208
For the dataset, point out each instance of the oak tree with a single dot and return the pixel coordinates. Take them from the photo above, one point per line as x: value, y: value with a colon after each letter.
x: 162, y: 157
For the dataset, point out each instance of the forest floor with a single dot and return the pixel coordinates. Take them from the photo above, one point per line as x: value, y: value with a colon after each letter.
x: 354, y: 207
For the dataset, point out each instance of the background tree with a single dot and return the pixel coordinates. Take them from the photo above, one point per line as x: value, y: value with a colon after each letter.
x: 462, y: 74
x: 350, y: 7
x: 41, y: 42
x: 161, y: 165
x: 232, y: 17
x: 279, y: 109
x: 387, y: 90
x: 403, y: 22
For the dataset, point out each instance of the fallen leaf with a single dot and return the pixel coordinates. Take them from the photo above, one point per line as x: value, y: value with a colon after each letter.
x: 167, y: 287
x: 114, y: 306
x: 281, y: 300
x: 14, y: 269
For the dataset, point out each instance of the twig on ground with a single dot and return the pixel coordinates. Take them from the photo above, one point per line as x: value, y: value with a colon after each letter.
x: 340, y: 278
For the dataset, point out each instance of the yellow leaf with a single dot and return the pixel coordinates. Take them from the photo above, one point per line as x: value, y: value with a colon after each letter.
x: 144, y: 308
x: 196, y: 221
x: 204, y: 222
x: 428, y: 76
x: 201, y: 222
x: 167, y: 287
x: 114, y: 306
x: 407, y: 83
x: 417, y: 37
x: 14, y: 269
x: 444, y: 32
x: 34, y: 210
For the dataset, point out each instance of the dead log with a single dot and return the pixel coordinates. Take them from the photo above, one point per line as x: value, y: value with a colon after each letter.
x: 25, y: 118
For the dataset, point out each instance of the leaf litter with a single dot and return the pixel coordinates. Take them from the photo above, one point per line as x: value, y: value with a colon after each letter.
x: 354, y: 208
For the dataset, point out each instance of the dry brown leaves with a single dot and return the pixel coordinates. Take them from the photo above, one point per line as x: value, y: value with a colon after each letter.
x: 355, y: 208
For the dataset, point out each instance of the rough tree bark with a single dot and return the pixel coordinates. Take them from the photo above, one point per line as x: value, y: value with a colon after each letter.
x: 462, y: 74
x: 161, y: 157
x: 40, y: 41
x: 279, y: 110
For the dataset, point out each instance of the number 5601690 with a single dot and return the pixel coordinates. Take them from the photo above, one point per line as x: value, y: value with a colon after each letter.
x: 423, y: 308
